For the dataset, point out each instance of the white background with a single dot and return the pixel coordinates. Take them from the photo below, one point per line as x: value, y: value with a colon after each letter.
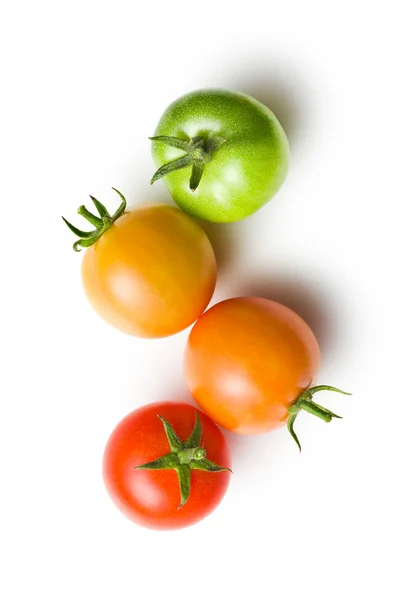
x: 83, y: 85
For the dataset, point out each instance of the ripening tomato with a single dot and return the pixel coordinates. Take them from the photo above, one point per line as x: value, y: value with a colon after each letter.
x: 150, y: 271
x: 249, y: 364
x: 166, y: 465
x: 222, y: 154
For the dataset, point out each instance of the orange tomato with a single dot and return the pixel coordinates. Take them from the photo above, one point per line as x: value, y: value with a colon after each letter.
x: 149, y: 272
x: 247, y: 361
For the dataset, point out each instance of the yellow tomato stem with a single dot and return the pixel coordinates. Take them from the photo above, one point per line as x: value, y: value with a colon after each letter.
x: 102, y: 223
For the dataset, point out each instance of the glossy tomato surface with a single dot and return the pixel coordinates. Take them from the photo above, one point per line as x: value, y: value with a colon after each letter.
x: 152, y: 273
x: 151, y: 498
x: 247, y: 360
x: 244, y: 173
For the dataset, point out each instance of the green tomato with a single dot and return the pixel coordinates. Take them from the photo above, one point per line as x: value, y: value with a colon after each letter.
x: 222, y: 154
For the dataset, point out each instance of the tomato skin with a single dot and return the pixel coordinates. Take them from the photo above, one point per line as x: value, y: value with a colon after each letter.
x: 152, y: 273
x: 247, y: 360
x: 151, y: 498
x: 245, y: 172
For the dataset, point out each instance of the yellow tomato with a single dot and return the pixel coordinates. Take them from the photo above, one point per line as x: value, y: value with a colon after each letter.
x: 151, y: 273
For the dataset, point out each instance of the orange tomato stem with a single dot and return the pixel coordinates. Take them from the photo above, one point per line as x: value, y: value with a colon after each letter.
x: 305, y: 402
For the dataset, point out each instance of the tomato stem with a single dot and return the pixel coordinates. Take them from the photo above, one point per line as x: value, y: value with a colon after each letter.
x: 305, y: 402
x: 102, y: 223
x: 184, y: 457
x: 199, y: 152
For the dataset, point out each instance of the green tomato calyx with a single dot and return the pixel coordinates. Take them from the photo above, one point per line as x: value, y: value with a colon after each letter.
x: 184, y: 457
x: 305, y: 402
x: 199, y: 152
x: 102, y: 223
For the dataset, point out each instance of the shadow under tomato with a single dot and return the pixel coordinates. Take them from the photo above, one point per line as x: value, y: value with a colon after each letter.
x: 278, y: 98
x: 224, y: 238
x: 277, y: 84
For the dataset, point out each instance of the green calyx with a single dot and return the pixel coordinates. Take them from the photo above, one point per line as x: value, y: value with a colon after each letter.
x: 184, y: 457
x: 101, y: 223
x: 305, y: 402
x: 198, y: 152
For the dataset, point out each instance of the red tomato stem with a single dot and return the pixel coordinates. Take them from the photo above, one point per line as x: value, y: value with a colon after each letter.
x: 184, y: 457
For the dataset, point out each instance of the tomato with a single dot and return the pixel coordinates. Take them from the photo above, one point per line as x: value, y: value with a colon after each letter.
x: 249, y: 364
x: 149, y: 272
x: 156, y: 479
x: 222, y: 154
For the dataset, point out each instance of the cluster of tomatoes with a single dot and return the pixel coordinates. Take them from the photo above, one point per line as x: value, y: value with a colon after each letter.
x: 151, y: 272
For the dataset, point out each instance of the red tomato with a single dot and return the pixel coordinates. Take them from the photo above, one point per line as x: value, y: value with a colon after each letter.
x: 249, y: 364
x: 150, y: 495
